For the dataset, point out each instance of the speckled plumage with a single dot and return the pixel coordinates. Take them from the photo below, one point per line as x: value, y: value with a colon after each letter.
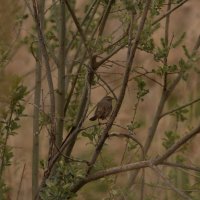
x: 104, y: 108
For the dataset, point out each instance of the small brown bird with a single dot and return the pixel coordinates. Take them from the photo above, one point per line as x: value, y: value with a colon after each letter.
x: 104, y: 108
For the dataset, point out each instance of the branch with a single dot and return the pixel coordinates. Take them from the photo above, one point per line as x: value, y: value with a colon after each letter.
x: 130, y: 136
x: 196, y: 46
x: 168, y: 12
x: 155, y: 22
x: 104, y: 135
x: 197, y: 169
x: 69, y: 141
x: 112, y: 53
x: 46, y: 60
x: 73, y: 84
x: 155, y: 122
x: 180, y: 108
x: 61, y: 84
x: 110, y: 46
x: 168, y: 183
x: 83, y: 108
x: 20, y: 184
x: 166, y: 93
x: 141, y: 164
x: 36, y: 111
x: 83, y: 37
x: 112, y: 171
x: 107, y: 85
x: 160, y: 107
x: 123, y: 89
x: 105, y: 16
x: 178, y: 144
x: 91, y: 8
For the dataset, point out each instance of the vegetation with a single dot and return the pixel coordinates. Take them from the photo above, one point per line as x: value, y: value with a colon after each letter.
x: 124, y: 49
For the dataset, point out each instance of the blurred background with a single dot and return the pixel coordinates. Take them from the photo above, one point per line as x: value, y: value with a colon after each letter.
x: 14, y: 28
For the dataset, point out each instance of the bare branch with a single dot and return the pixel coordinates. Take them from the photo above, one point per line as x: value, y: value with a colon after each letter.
x: 83, y: 37
x: 46, y: 59
x: 92, y: 7
x: 196, y: 46
x: 197, y: 169
x: 130, y: 136
x: 169, y: 12
x: 141, y: 164
x: 168, y: 183
x: 180, y: 108
x: 21, y: 179
x: 61, y: 76
x: 107, y: 85
x: 178, y: 144
x: 105, y: 16
x: 111, y: 171
x: 123, y: 88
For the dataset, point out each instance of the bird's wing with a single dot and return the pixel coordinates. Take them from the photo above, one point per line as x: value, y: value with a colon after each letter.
x: 99, y: 111
x: 108, y: 109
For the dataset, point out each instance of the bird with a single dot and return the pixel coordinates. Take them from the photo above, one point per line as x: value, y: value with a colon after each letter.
x: 104, y: 108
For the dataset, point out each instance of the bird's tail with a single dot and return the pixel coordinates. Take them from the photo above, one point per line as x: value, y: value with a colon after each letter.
x: 93, y: 118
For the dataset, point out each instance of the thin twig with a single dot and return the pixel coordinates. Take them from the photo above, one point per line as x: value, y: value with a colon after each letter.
x: 141, y: 164
x: 70, y: 158
x: 105, y: 16
x: 130, y: 136
x: 46, y: 59
x: 61, y: 83
x: 92, y: 7
x: 178, y: 144
x: 197, y: 169
x: 168, y: 12
x: 169, y: 184
x: 123, y: 89
x: 21, y: 179
x: 107, y: 85
x: 180, y: 108
x: 114, y: 170
x: 83, y: 37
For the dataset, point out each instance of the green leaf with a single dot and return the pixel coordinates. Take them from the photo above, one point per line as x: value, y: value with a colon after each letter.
x: 142, y: 90
x: 179, y: 40
x: 170, y: 138
x: 134, y: 125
